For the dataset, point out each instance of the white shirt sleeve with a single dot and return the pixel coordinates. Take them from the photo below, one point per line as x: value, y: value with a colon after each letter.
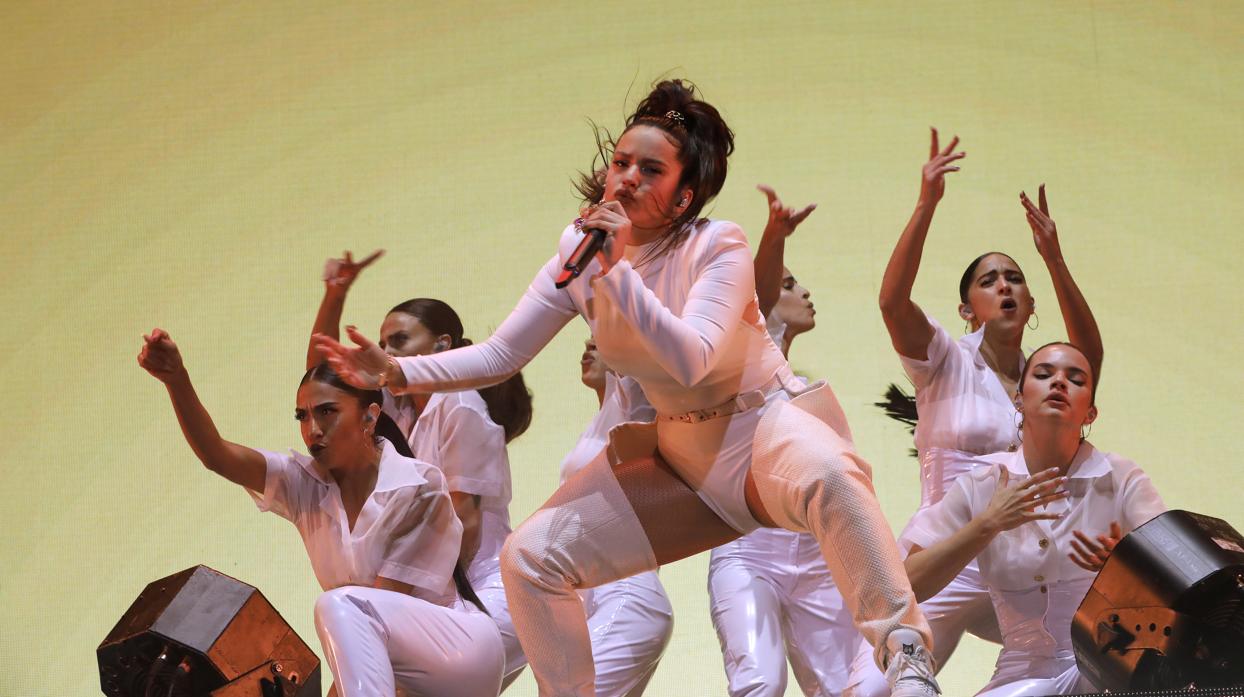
x: 1139, y: 499
x: 940, y: 346
x: 954, y: 511
x: 286, y: 483
x: 472, y: 453
x: 540, y: 314
x: 424, y: 537
x: 687, y: 347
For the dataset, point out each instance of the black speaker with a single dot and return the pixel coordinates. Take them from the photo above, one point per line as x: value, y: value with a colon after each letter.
x: 200, y: 633
x: 1167, y: 609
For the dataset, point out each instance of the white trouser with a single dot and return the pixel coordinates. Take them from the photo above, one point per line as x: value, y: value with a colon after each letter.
x: 1009, y: 679
x: 485, y: 580
x: 629, y: 622
x: 962, y: 606
x: 376, y: 641
x: 772, y: 599
x: 809, y: 480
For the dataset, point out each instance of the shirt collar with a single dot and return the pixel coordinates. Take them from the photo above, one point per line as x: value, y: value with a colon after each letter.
x: 1088, y: 463
x: 973, y: 341
x: 396, y: 471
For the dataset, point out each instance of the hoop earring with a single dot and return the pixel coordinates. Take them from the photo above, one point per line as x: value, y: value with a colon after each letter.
x: 1084, y: 434
x: 967, y: 326
x: 1019, y: 427
x: 1029, y: 322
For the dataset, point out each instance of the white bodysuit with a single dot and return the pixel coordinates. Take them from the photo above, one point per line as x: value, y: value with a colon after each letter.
x: 1034, y: 586
x: 965, y: 413
x: 686, y: 327
x: 455, y: 433
x: 378, y: 640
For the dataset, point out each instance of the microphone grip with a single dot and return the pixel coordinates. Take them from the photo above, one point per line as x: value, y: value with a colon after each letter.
x: 593, y: 240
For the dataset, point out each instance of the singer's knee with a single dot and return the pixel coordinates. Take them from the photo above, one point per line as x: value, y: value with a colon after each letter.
x: 527, y: 556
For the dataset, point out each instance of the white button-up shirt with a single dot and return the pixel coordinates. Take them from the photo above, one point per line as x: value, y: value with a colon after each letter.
x: 455, y: 433
x: 406, y: 530
x: 964, y: 410
x: 1034, y: 585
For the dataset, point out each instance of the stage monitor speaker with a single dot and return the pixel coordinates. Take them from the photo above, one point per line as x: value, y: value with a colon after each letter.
x: 200, y: 633
x: 1167, y: 610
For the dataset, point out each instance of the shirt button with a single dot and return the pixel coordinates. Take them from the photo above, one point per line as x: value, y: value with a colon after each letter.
x: 1043, y: 589
x: 1039, y: 578
x: 1043, y: 543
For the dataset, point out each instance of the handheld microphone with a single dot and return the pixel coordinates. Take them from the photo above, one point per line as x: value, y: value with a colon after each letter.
x: 593, y: 240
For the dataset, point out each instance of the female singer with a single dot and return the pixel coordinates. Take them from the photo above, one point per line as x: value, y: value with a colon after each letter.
x: 965, y: 388
x: 464, y: 434
x: 379, y: 529
x: 771, y: 595
x: 671, y: 302
x: 1040, y: 522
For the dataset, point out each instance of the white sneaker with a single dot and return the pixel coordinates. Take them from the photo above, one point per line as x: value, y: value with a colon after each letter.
x: 910, y: 669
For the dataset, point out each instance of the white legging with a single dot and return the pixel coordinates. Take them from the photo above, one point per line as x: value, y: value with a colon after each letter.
x: 809, y: 480
x: 376, y: 641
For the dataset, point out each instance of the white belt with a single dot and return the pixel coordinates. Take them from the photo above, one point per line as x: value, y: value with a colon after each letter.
x: 741, y: 402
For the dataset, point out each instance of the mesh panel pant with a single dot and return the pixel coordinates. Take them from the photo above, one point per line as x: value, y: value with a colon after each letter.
x: 587, y: 534
x: 376, y: 641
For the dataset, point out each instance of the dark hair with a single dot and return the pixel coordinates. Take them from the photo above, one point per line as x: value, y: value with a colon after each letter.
x: 966, y: 281
x: 1028, y: 362
x: 704, y: 143
x: 387, y: 429
x: 901, y: 406
x: 509, y: 402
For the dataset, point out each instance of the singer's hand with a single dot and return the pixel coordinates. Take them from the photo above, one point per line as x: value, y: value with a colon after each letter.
x: 610, y: 217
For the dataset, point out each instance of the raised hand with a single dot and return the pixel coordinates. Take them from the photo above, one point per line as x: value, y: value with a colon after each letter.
x: 933, y: 175
x: 1044, y: 232
x: 362, y: 366
x: 782, y: 219
x: 161, y: 357
x: 1015, y: 504
x: 340, y: 273
x: 1092, y: 555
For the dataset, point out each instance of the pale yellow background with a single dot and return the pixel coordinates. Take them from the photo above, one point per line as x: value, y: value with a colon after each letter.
x: 190, y: 166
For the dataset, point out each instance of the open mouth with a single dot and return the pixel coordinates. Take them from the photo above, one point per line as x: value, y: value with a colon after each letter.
x: 316, y: 449
x: 1009, y: 305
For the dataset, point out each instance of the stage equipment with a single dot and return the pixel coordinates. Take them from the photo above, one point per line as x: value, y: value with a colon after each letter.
x: 200, y: 633
x: 1167, y: 610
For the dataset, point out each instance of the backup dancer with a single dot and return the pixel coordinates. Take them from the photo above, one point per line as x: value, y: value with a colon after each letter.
x: 630, y: 620
x: 965, y: 388
x: 671, y: 302
x: 771, y: 595
x: 464, y: 434
x: 1040, y: 522
x: 379, y: 529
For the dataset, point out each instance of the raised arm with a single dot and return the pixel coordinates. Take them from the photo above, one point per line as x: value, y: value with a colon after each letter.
x: 237, y: 463
x: 339, y: 275
x: 1077, y: 317
x: 910, y: 331
x: 771, y: 252
x: 931, y: 569
x: 540, y: 314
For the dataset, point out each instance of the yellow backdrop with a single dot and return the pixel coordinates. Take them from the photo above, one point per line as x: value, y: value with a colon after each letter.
x: 190, y: 166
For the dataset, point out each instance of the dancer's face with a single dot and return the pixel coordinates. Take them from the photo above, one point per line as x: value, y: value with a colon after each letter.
x: 336, y: 428
x: 643, y: 176
x: 592, y: 366
x: 794, y: 307
x: 1058, y: 386
x: 998, y: 293
x: 404, y: 335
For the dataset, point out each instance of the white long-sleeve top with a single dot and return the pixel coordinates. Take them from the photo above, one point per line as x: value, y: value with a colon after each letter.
x: 455, y: 433
x: 1035, y: 587
x: 686, y: 325
x: 964, y: 410
x: 406, y: 530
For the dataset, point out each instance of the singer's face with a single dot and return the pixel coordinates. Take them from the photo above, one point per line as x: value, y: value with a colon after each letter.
x: 643, y: 176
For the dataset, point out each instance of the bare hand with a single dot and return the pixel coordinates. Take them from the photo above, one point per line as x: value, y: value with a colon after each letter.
x: 933, y: 175
x: 782, y: 220
x: 1044, y: 232
x: 610, y: 217
x: 1014, y: 505
x: 340, y: 273
x: 1090, y: 555
x: 160, y: 357
x: 362, y: 366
